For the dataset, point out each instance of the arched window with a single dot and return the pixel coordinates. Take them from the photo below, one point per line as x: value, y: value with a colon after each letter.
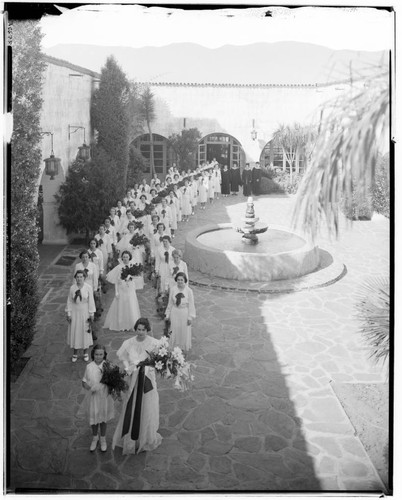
x: 163, y: 153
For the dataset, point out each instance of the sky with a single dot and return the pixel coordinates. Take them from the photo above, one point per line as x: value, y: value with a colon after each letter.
x: 138, y: 26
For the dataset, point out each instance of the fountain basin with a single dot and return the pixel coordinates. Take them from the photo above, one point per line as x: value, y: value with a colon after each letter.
x: 217, y: 250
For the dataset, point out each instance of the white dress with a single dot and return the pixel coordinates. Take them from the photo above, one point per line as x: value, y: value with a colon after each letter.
x: 162, y: 267
x: 125, y: 310
x: 98, y: 402
x: 203, y: 190
x: 216, y: 175
x: 79, y: 311
x: 186, y: 209
x: 106, y: 246
x: 131, y: 353
x: 178, y: 315
x: 181, y: 268
x: 92, y: 278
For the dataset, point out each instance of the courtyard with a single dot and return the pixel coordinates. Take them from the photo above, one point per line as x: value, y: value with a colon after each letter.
x: 263, y: 413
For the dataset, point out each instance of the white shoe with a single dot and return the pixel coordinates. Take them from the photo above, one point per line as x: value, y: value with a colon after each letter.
x: 103, y: 444
x: 94, y: 443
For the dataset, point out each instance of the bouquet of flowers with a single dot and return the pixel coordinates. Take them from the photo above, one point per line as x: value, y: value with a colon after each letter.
x: 128, y: 273
x: 113, y: 378
x: 137, y: 213
x: 139, y: 239
x: 170, y: 363
x: 138, y: 224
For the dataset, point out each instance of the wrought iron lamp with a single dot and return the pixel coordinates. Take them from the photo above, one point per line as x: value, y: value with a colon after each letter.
x: 52, y: 164
x: 84, y: 151
x: 253, y: 132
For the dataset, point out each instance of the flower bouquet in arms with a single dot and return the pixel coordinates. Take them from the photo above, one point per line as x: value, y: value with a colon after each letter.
x: 113, y: 378
x: 128, y: 273
x: 139, y: 239
x: 170, y: 363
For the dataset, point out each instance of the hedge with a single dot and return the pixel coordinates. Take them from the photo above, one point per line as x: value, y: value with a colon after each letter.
x: 23, y: 260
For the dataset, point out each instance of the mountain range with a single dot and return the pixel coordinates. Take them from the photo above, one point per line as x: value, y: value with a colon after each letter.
x: 269, y: 63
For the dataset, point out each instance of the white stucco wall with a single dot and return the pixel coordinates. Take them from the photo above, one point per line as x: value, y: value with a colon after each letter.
x: 232, y: 109
x: 66, y: 101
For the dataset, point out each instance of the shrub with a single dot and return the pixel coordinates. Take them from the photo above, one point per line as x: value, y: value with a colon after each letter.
x: 360, y: 206
x: 381, y: 191
x: 88, y: 192
x: 23, y: 259
x: 269, y: 186
x: 287, y: 185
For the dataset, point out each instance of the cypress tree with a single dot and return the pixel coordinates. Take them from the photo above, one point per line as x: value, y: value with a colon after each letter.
x: 110, y: 118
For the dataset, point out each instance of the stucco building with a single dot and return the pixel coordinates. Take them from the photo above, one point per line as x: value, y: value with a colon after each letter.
x: 236, y: 122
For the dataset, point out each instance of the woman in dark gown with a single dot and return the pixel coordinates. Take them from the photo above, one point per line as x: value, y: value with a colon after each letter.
x: 256, y: 176
x: 235, y: 179
x: 247, y: 180
x: 225, y: 184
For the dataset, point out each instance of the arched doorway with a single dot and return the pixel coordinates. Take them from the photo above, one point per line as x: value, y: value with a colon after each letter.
x: 164, y: 155
x: 222, y: 147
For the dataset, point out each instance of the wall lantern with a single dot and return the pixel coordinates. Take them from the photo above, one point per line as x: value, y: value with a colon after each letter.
x: 253, y: 132
x: 52, y: 164
x: 84, y: 151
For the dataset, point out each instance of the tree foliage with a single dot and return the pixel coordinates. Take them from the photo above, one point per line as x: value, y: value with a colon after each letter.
x: 27, y: 79
x: 185, y: 145
x: 110, y: 117
x: 86, y: 195
x: 136, y: 168
x: 147, y: 108
x: 353, y: 130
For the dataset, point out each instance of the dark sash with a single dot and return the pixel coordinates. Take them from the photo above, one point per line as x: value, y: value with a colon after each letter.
x: 144, y: 385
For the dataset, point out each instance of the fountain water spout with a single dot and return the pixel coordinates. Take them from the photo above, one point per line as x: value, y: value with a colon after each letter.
x: 251, y: 226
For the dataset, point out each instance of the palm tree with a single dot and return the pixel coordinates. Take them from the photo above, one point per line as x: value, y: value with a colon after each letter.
x: 148, y: 113
x: 353, y: 130
x: 373, y: 312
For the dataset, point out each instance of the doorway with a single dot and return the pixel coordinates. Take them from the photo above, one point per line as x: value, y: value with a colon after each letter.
x: 223, y: 147
x: 219, y: 152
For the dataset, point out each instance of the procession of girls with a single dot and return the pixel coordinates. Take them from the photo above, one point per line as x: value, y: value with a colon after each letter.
x: 138, y: 234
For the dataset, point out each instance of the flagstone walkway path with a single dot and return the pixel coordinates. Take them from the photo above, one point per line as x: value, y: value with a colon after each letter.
x: 262, y: 414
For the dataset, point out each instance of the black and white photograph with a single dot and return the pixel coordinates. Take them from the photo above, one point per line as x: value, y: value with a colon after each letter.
x: 199, y: 249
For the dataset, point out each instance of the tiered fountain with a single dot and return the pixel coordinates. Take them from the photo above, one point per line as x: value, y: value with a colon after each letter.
x: 251, y: 226
x: 280, y: 254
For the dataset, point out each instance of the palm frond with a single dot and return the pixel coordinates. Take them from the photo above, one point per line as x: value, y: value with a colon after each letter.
x: 372, y: 310
x: 352, y: 132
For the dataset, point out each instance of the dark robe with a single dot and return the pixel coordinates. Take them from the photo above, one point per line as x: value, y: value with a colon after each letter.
x: 256, y: 176
x: 225, y: 184
x: 235, y: 180
x: 247, y: 180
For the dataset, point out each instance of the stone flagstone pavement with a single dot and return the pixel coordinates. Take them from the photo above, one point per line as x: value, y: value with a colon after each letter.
x: 261, y: 416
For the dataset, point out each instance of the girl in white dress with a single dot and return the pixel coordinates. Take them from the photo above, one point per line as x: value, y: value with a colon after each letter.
x: 124, y: 311
x: 179, y: 195
x: 79, y: 309
x: 100, y: 405
x: 173, y: 205
x: 177, y: 265
x: 211, y: 188
x: 89, y: 269
x: 203, y: 191
x: 181, y: 312
x: 104, y: 243
x: 163, y: 257
x: 216, y: 175
x: 138, y: 424
x: 186, y: 209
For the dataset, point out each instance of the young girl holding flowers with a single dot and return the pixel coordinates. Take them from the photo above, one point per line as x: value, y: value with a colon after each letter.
x: 100, y: 403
